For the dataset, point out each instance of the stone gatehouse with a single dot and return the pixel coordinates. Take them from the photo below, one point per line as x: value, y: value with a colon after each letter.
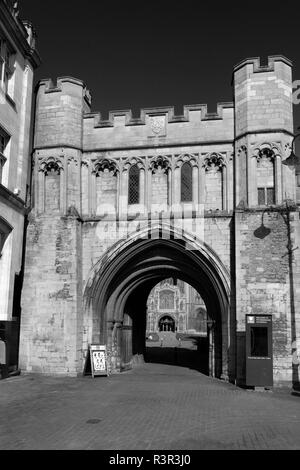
x: 119, y: 205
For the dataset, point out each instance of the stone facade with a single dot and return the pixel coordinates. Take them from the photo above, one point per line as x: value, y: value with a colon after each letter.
x: 121, y: 204
x: 178, y: 303
x: 18, y: 59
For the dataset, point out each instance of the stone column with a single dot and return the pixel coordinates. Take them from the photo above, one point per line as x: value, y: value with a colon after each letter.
x: 278, y: 180
x: 230, y: 184
x: 142, y: 188
x: 40, y: 201
x: 224, y: 188
x: 176, y: 197
x: 123, y: 196
x: 93, y: 195
x: 201, y: 184
x: 149, y: 189
x: 211, y: 346
x: 252, y: 181
x: 195, y: 185
x: 63, y: 187
x: 170, y: 201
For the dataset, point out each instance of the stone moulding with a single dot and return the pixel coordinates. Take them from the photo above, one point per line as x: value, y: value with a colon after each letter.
x: 255, y: 61
x: 105, y: 164
x: 162, y: 162
x: 50, y: 163
x: 186, y: 157
x: 269, y: 150
x: 214, y: 160
x: 56, y: 86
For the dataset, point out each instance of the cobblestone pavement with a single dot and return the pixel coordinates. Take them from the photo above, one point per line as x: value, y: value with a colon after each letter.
x: 154, y: 406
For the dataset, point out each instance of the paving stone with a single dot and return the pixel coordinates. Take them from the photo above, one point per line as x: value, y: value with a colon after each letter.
x: 154, y: 406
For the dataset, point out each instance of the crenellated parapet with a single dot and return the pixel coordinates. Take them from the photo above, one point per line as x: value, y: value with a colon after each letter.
x: 263, y: 131
x: 158, y: 127
x: 156, y: 117
x: 164, y: 148
x: 59, y: 110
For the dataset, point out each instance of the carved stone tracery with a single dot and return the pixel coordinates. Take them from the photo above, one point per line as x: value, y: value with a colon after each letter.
x: 51, y: 164
x: 214, y: 160
x: 267, y: 150
x: 105, y: 165
x: 186, y: 157
x: 134, y: 161
x: 160, y: 162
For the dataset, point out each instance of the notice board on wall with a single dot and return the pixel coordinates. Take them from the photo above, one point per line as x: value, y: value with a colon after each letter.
x: 98, y: 359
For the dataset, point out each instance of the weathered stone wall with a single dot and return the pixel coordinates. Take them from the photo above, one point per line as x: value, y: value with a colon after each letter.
x: 160, y: 191
x: 263, y: 283
x: 51, y: 326
x: 263, y: 121
x: 59, y: 113
x: 93, y: 157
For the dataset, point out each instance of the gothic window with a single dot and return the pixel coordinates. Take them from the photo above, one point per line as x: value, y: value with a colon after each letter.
x: 6, y: 65
x: 180, y: 284
x: 134, y: 185
x: 265, y: 178
x: 186, y: 183
x: 4, y: 138
x: 106, y: 186
x: 5, y: 229
x: 166, y: 300
x: 166, y: 323
x: 52, y: 187
x: 214, y: 164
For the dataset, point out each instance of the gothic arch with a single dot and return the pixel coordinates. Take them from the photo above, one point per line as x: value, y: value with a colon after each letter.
x: 186, y: 157
x: 134, y: 161
x: 160, y: 161
x: 214, y: 159
x: 114, y: 281
x: 105, y: 164
x: 46, y: 164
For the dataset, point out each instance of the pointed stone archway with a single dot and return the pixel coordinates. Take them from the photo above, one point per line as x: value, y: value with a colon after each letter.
x: 166, y: 323
x: 118, y: 287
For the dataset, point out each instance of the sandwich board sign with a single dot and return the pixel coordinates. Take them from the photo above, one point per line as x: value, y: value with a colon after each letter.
x: 98, y: 359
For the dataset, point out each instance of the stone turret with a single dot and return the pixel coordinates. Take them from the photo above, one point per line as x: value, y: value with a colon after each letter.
x: 58, y: 144
x: 263, y: 131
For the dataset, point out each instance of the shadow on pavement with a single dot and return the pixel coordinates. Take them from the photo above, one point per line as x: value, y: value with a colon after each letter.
x: 179, y: 356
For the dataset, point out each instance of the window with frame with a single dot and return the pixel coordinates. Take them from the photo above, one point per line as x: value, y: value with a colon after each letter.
x: 4, y: 138
x: 134, y: 185
x: 6, y: 66
x: 186, y: 183
x: 265, y: 178
x: 5, y: 229
x: 266, y: 196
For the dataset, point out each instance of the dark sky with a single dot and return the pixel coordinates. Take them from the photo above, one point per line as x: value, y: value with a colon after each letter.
x: 159, y: 53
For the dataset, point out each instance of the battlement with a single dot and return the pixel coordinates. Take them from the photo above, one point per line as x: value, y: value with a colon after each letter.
x: 257, y: 67
x: 189, y: 111
x: 58, y: 85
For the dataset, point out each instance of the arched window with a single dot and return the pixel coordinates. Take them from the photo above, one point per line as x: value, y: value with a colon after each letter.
x: 166, y: 300
x: 52, y: 187
x: 166, y: 323
x: 265, y: 178
x: 134, y: 185
x: 5, y: 229
x: 186, y: 183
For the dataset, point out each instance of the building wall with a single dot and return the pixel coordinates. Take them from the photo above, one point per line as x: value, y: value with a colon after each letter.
x: 15, y: 119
